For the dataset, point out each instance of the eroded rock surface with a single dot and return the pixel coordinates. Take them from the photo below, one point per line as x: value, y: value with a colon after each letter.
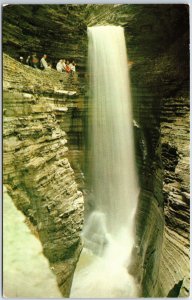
x: 37, y: 172
x: 174, y: 264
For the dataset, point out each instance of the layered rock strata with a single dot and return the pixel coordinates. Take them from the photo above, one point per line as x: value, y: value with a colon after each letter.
x: 174, y: 263
x: 37, y: 172
x: 150, y: 217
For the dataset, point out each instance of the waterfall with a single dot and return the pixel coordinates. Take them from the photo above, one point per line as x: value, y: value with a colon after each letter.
x: 109, y: 229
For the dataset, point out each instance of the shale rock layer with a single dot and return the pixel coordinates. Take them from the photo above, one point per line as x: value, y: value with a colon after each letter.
x: 174, y: 264
x: 37, y: 172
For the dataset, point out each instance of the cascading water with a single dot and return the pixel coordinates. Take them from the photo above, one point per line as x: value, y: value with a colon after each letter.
x: 109, y: 229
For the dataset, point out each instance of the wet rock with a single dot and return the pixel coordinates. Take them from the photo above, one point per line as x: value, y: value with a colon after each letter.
x: 37, y: 172
x: 174, y: 264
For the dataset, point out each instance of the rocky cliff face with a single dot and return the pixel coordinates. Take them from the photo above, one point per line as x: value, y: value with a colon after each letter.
x: 174, y: 263
x: 157, y: 38
x: 159, y: 98
x: 37, y: 171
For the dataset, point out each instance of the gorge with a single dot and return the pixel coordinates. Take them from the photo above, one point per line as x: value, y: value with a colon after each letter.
x: 47, y: 160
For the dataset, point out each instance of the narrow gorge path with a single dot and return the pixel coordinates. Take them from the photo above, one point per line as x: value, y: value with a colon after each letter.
x: 26, y: 271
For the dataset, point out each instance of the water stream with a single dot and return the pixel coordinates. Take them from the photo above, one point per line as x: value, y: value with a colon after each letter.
x: 109, y: 229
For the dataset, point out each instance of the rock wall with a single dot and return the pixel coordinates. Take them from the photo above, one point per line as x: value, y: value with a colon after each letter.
x: 174, y: 264
x: 150, y: 216
x: 159, y: 95
x: 37, y: 172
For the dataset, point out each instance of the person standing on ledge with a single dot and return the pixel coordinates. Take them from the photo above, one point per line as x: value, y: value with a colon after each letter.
x: 21, y: 59
x: 34, y: 61
x: 59, y: 66
x: 67, y: 68
x: 64, y: 65
x: 73, y: 67
x: 43, y: 62
x: 28, y: 60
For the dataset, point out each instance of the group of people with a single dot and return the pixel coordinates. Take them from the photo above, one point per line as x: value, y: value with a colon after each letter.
x: 35, y: 62
x: 66, y: 66
x: 62, y: 65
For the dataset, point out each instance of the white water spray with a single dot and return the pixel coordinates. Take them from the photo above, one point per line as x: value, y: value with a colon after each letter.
x: 109, y: 230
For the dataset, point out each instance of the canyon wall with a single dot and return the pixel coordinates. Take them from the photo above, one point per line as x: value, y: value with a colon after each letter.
x: 37, y: 172
x: 157, y: 38
x: 160, y: 77
x: 174, y: 262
